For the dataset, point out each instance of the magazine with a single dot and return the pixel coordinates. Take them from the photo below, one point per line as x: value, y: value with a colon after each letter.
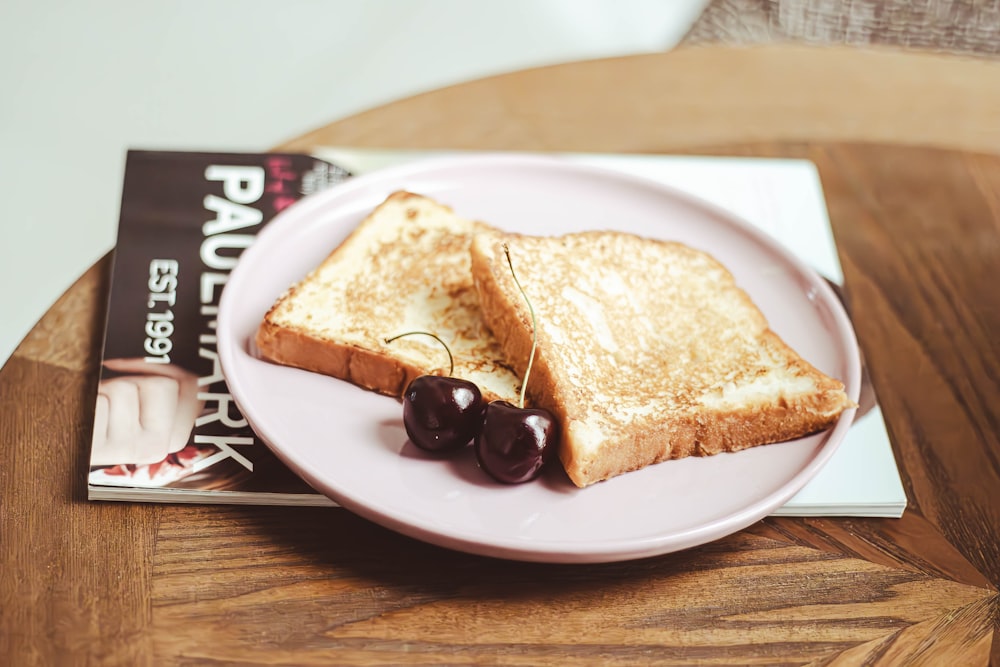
x: 185, y: 218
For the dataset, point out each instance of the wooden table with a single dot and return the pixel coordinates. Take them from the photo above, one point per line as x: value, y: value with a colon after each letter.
x: 909, y: 152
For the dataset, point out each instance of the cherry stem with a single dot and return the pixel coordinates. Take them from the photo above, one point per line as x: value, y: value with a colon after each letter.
x: 451, y: 360
x: 534, y: 331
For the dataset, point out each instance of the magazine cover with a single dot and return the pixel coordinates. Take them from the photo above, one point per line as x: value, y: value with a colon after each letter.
x: 165, y: 425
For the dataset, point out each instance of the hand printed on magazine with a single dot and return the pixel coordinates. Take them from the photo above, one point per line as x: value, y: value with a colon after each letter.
x: 143, y: 414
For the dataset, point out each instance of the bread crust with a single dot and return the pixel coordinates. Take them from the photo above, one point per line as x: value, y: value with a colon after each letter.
x: 363, y: 367
x: 704, y: 433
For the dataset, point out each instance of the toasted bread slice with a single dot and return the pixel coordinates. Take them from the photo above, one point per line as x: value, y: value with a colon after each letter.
x: 647, y: 351
x: 405, y: 268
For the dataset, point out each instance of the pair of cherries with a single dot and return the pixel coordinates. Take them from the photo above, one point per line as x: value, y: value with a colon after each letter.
x: 445, y: 414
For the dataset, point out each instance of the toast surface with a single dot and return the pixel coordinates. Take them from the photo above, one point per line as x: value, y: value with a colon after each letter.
x: 647, y: 351
x: 405, y: 268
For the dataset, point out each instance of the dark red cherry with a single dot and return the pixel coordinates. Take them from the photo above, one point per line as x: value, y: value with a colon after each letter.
x: 442, y: 413
x: 515, y: 443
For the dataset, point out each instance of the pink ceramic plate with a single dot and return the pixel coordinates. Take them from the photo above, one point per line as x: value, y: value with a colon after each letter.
x: 350, y: 444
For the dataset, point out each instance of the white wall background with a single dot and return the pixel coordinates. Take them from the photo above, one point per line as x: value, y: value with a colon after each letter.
x: 81, y: 82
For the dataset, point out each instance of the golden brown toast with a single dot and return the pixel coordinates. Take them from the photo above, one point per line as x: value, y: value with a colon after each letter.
x: 405, y: 268
x: 647, y: 351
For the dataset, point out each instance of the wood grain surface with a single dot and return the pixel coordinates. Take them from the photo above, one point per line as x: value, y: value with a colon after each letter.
x: 918, y: 230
